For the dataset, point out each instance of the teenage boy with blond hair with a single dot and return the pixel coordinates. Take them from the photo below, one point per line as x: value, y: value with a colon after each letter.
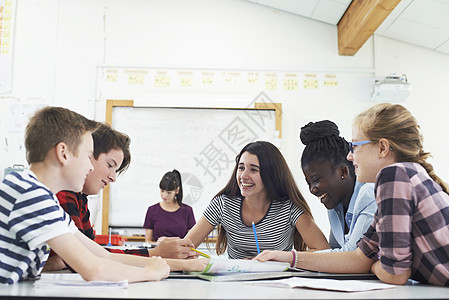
x: 59, y: 148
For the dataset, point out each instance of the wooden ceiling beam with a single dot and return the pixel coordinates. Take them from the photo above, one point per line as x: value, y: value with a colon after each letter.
x: 360, y: 21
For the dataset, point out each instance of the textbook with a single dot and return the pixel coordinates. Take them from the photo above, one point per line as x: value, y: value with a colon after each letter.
x: 246, y: 270
x: 271, y: 275
x: 241, y: 276
x: 219, y: 266
x: 242, y: 269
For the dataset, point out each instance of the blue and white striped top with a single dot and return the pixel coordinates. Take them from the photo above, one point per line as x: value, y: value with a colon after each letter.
x: 274, y: 232
x: 29, y: 216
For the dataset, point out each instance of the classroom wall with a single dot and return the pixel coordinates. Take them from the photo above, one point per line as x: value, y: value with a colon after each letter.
x: 60, y: 46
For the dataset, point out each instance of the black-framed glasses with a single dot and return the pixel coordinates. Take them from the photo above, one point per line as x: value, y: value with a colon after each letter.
x: 352, y: 144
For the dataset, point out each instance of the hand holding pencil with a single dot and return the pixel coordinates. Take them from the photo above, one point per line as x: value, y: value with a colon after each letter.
x: 172, y: 247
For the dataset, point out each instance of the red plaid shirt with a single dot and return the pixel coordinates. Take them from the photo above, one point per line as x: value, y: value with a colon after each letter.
x: 75, y: 204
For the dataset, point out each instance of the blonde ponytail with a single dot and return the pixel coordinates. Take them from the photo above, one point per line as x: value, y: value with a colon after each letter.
x: 422, y: 157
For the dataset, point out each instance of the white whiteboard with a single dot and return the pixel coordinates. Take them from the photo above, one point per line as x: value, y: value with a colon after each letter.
x: 201, y: 143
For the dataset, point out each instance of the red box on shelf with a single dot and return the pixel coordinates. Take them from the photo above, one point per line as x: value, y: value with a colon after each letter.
x: 116, y: 239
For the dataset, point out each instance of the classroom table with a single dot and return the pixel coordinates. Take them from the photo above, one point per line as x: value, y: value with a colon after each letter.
x: 172, y: 288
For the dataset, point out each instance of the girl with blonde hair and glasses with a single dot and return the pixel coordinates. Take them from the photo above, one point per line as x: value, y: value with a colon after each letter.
x: 409, y: 236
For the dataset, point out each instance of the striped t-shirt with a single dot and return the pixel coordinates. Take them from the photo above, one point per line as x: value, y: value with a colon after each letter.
x: 274, y: 232
x: 29, y: 217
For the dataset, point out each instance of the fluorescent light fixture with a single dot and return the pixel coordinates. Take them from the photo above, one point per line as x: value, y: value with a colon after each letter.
x: 393, y: 88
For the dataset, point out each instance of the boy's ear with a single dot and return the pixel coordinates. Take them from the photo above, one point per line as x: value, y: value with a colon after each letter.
x: 62, y: 151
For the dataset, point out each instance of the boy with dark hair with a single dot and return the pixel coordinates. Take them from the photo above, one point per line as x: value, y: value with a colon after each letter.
x: 59, y: 148
x: 112, y: 156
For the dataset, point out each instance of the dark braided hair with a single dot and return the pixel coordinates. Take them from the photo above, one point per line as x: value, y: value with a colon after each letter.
x: 324, y: 143
x: 170, y: 182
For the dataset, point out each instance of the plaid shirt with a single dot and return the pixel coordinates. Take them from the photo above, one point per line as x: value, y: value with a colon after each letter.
x: 411, y: 226
x: 75, y: 204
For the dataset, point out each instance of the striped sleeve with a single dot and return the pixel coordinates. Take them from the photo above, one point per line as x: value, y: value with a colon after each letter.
x: 214, y: 212
x: 36, y: 217
x: 296, y: 212
x: 30, y: 216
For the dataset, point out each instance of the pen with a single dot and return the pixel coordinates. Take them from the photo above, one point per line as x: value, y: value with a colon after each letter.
x: 200, y: 253
x: 255, y: 236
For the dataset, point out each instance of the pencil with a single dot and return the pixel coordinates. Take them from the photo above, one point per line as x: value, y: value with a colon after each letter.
x: 200, y: 253
x: 255, y: 236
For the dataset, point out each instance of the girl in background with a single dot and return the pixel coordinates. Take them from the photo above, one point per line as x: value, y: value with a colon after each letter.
x: 170, y: 217
x: 351, y: 205
x: 261, y: 190
x: 409, y: 237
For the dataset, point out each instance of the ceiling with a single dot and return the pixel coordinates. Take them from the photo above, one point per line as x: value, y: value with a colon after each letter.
x: 423, y: 23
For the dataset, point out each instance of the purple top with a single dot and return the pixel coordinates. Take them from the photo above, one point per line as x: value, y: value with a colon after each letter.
x: 166, y: 223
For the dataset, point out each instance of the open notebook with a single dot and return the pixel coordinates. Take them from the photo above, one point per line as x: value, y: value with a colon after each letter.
x: 242, y: 270
x: 219, y: 266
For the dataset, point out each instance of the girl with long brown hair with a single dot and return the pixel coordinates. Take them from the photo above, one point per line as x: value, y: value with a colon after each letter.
x: 261, y: 190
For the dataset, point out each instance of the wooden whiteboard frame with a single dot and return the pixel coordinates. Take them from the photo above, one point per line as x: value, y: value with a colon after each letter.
x: 110, y: 104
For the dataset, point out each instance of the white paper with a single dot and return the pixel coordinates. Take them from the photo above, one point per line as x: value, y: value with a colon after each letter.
x: 67, y: 280
x: 325, y: 284
x: 225, y: 266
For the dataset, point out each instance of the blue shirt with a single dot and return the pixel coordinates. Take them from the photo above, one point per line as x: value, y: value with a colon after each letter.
x: 359, y: 217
